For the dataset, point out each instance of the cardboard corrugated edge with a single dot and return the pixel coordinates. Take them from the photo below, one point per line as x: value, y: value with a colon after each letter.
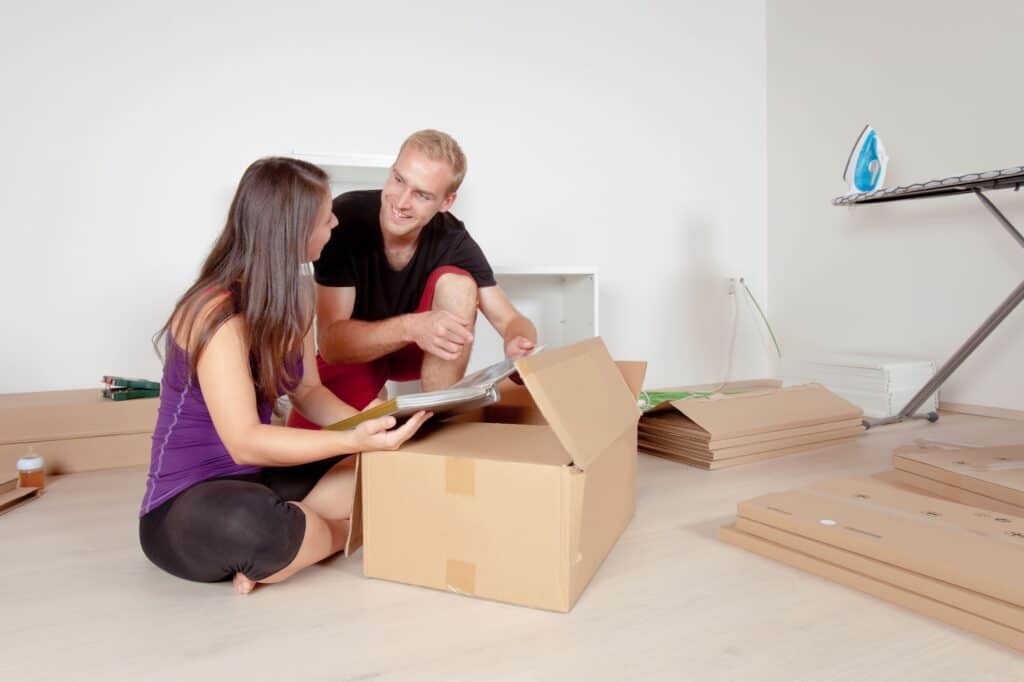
x: 714, y: 465
x: 993, y: 609
x: 652, y: 427
x: 718, y: 454
x: 586, y: 402
x: 746, y: 414
x: 876, y: 588
x: 355, y: 525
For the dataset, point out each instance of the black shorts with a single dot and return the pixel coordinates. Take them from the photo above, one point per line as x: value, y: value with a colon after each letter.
x: 223, y: 526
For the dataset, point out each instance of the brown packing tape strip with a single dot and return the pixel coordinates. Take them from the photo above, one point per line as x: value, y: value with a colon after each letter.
x: 460, y: 577
x: 460, y: 476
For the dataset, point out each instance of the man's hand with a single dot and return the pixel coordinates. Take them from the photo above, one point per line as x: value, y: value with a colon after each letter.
x: 374, y: 434
x: 440, y: 333
x: 518, y: 346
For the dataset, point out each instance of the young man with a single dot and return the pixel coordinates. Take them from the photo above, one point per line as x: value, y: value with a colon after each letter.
x: 400, y: 281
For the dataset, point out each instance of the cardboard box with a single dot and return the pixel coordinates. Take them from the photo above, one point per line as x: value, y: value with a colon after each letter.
x: 909, y: 599
x: 518, y: 513
x: 971, y: 548
x: 992, y: 472
x: 58, y: 415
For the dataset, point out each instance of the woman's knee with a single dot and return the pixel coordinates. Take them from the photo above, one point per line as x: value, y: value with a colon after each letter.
x: 215, y: 531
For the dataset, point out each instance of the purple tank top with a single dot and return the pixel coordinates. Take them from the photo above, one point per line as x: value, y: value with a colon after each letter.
x: 186, y: 448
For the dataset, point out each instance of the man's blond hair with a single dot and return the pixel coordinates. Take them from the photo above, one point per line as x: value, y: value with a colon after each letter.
x: 439, y: 146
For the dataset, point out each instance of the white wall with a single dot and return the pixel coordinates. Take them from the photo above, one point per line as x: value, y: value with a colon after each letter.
x: 625, y: 136
x: 941, y: 83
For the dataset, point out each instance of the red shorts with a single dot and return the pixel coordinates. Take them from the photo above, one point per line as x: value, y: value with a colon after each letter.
x: 359, y: 383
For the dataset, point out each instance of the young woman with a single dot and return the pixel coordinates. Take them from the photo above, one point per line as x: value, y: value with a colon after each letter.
x: 229, y: 495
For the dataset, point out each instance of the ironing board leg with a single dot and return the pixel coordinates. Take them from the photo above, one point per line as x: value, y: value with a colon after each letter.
x: 975, y: 340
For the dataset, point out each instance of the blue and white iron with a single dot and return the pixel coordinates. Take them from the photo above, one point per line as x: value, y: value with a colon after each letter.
x: 865, y: 169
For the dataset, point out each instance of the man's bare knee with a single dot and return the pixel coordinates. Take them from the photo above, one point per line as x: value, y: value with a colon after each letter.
x: 456, y: 293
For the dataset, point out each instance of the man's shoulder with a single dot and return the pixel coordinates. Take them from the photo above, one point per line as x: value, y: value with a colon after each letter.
x: 362, y: 205
x: 447, y: 225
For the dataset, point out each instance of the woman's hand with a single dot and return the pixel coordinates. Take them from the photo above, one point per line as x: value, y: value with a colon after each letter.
x: 380, y: 434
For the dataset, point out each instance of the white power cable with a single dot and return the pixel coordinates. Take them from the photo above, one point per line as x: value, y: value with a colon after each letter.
x: 730, y: 357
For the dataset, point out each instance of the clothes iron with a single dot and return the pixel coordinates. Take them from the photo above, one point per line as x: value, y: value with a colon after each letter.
x: 865, y: 168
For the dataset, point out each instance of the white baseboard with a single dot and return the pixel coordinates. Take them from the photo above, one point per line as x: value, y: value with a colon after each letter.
x: 981, y: 410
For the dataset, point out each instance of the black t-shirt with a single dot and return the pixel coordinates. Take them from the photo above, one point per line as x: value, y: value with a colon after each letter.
x: 354, y: 257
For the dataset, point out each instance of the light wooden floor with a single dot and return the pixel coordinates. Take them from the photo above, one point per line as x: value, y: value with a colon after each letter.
x: 79, y: 601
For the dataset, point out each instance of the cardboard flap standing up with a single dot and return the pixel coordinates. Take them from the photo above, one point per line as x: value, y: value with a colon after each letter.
x: 583, y: 396
x: 744, y: 414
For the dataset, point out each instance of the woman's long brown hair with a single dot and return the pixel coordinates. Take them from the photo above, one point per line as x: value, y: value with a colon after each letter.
x: 258, y: 260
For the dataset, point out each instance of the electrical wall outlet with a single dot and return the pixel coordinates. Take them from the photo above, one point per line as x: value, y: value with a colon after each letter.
x: 734, y: 285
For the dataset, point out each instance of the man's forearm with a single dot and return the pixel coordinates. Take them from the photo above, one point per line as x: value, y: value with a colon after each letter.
x: 359, y: 341
x: 519, y: 326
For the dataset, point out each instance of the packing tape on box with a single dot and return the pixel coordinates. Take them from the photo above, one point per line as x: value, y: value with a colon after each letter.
x: 459, y: 476
x: 460, y: 576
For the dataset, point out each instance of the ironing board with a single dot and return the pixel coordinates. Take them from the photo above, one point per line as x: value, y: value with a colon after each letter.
x: 977, y: 184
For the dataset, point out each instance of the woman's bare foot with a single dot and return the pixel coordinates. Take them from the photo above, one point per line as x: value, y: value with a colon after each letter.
x: 243, y: 584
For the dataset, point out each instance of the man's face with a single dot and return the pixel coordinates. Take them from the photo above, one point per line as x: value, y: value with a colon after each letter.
x: 416, y: 191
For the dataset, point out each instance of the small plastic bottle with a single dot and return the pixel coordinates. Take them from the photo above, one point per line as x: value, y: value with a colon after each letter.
x: 31, y: 471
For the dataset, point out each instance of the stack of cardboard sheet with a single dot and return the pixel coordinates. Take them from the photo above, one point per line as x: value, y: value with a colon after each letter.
x: 75, y: 430
x: 880, y: 386
x: 726, y: 430
x: 956, y: 563
x: 985, y: 477
x: 11, y: 494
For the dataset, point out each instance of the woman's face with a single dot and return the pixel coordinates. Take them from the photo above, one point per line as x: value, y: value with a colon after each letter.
x: 322, y: 226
